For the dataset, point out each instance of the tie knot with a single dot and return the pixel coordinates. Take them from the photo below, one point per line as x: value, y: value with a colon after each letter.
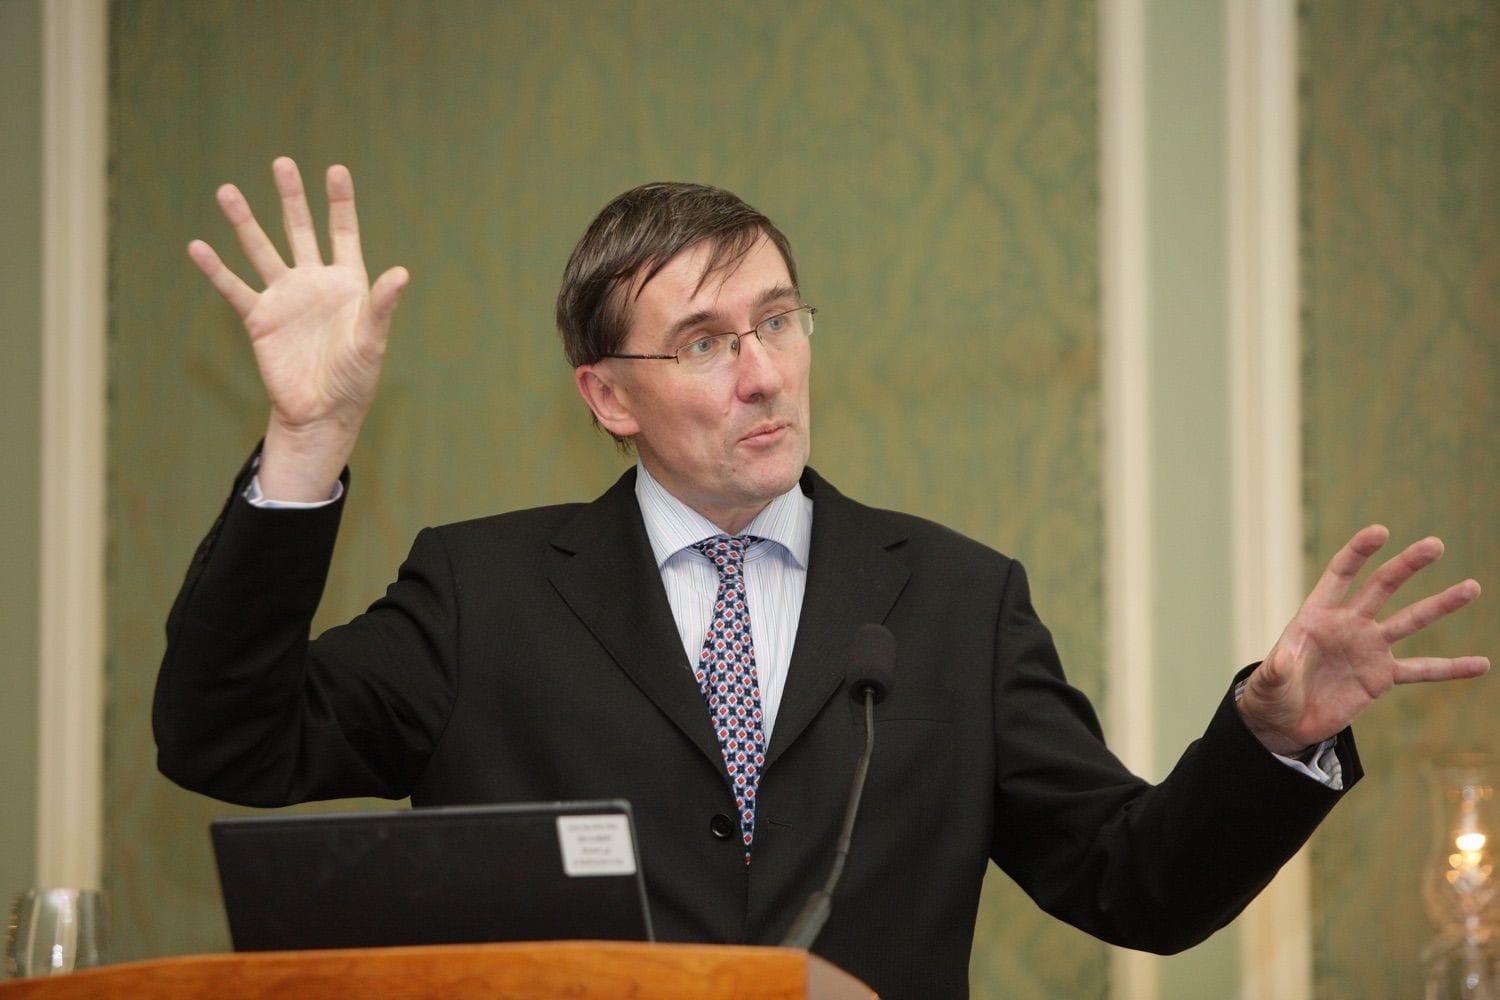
x: 726, y: 552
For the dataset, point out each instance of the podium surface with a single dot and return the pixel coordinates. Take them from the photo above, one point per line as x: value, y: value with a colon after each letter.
x: 585, y: 969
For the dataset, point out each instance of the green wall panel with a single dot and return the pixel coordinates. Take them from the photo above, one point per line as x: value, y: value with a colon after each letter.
x: 20, y: 433
x: 934, y: 164
x: 1401, y: 242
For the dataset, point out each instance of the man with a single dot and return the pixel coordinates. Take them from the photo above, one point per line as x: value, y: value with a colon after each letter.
x: 578, y: 651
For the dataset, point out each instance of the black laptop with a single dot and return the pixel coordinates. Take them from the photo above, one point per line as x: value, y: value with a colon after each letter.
x: 528, y: 872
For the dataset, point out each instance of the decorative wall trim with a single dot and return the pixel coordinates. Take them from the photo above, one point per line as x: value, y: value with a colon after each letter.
x: 1128, y: 570
x: 72, y: 505
x: 1265, y: 416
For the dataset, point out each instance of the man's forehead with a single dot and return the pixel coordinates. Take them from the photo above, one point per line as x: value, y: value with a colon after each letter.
x: 694, y: 279
x: 705, y: 264
x: 702, y: 270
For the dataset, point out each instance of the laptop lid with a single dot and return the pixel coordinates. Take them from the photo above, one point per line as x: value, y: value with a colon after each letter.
x: 449, y: 875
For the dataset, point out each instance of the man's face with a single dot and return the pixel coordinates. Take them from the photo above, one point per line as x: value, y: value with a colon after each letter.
x: 725, y: 443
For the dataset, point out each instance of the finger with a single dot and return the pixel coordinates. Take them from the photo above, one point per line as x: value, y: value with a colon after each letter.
x: 343, y: 222
x: 240, y: 296
x: 385, y: 292
x: 1394, y: 573
x: 1425, y: 669
x: 1414, y: 618
x: 296, y: 219
x: 262, y: 253
x: 1346, y: 564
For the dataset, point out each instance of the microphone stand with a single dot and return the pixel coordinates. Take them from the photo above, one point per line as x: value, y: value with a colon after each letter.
x: 809, y: 923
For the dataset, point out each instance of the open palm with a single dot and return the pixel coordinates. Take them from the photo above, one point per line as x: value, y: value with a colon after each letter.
x: 1334, y: 658
x: 318, y: 330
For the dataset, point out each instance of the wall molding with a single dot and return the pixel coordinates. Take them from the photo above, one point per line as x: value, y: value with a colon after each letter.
x: 1262, y: 352
x: 1125, y: 393
x: 71, y: 595
x: 1265, y: 419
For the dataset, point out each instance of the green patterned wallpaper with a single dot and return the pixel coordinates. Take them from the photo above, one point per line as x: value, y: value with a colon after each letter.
x: 934, y: 164
x: 1401, y: 237
x: 20, y: 442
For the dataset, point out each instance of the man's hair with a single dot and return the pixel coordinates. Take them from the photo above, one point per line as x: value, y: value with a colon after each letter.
x: 632, y: 239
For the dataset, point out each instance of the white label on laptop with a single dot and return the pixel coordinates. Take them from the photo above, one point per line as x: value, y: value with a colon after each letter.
x: 596, y: 845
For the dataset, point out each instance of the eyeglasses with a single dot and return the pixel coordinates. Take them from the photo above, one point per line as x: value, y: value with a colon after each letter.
x: 717, y: 351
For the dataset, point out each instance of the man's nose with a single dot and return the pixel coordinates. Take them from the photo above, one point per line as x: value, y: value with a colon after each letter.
x: 755, y: 369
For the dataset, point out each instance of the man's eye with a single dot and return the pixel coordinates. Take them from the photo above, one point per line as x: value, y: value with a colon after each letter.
x: 701, y: 346
x: 775, y: 324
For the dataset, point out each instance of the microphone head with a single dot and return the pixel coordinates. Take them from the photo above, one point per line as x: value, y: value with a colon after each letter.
x: 872, y: 662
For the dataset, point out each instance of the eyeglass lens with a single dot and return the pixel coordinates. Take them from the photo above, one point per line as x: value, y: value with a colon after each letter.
x: 775, y: 332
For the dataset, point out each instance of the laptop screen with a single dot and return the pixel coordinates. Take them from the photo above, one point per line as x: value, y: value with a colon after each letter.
x: 450, y: 875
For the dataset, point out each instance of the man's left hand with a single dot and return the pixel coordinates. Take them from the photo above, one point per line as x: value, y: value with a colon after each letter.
x: 1334, y: 658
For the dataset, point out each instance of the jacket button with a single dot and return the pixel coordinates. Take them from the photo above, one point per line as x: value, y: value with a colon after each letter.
x: 722, y: 826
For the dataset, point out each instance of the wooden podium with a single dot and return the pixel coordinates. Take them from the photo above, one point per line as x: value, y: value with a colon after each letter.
x: 549, y: 969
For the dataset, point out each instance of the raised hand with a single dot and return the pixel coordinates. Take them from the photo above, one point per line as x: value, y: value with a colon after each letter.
x: 1334, y: 658
x: 318, y: 330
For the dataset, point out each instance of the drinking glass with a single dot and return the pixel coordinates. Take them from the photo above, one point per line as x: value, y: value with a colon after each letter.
x: 53, y: 931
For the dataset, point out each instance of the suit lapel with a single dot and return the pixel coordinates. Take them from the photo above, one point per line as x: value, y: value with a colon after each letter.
x: 852, y: 579
x: 601, y: 564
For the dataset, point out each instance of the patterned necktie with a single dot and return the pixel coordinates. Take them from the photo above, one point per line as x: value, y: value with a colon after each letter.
x: 726, y: 676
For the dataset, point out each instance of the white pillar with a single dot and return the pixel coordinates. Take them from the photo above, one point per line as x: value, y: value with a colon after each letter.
x: 1265, y: 419
x: 72, y: 507
x: 1124, y: 332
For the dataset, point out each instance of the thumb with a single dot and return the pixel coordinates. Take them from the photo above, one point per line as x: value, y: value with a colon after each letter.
x: 384, y: 293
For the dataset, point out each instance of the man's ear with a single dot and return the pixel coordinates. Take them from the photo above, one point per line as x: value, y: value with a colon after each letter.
x: 599, y: 389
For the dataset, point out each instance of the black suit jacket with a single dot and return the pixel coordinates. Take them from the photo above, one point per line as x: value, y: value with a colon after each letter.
x: 533, y: 656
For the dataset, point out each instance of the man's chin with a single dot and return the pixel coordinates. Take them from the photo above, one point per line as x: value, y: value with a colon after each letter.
x: 771, y: 479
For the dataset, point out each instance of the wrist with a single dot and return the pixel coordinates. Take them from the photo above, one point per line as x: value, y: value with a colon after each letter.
x: 302, y: 464
x: 1268, y: 736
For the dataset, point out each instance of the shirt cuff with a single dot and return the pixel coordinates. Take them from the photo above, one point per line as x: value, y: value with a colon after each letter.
x: 255, y: 498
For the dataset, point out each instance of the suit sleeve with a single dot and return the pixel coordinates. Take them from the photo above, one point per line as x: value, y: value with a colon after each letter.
x: 1152, y: 867
x: 248, y: 710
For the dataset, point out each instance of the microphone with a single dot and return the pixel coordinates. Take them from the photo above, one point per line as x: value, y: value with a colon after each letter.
x: 872, y: 666
x: 872, y: 662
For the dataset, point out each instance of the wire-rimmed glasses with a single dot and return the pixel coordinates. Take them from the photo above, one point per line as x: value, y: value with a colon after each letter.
x: 718, y: 350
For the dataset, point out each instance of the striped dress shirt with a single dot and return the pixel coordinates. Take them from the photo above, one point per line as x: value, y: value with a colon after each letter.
x: 775, y: 577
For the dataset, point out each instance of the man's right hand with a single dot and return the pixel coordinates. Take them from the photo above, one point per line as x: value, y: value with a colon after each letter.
x: 318, y: 330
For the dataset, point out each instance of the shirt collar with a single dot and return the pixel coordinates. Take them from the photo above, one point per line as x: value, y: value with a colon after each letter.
x: 672, y: 525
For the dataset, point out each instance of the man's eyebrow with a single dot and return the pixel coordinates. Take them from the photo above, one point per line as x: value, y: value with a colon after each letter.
x: 779, y: 292
x: 703, y: 316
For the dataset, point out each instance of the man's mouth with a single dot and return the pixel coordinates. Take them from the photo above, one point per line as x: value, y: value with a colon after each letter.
x: 766, y: 432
